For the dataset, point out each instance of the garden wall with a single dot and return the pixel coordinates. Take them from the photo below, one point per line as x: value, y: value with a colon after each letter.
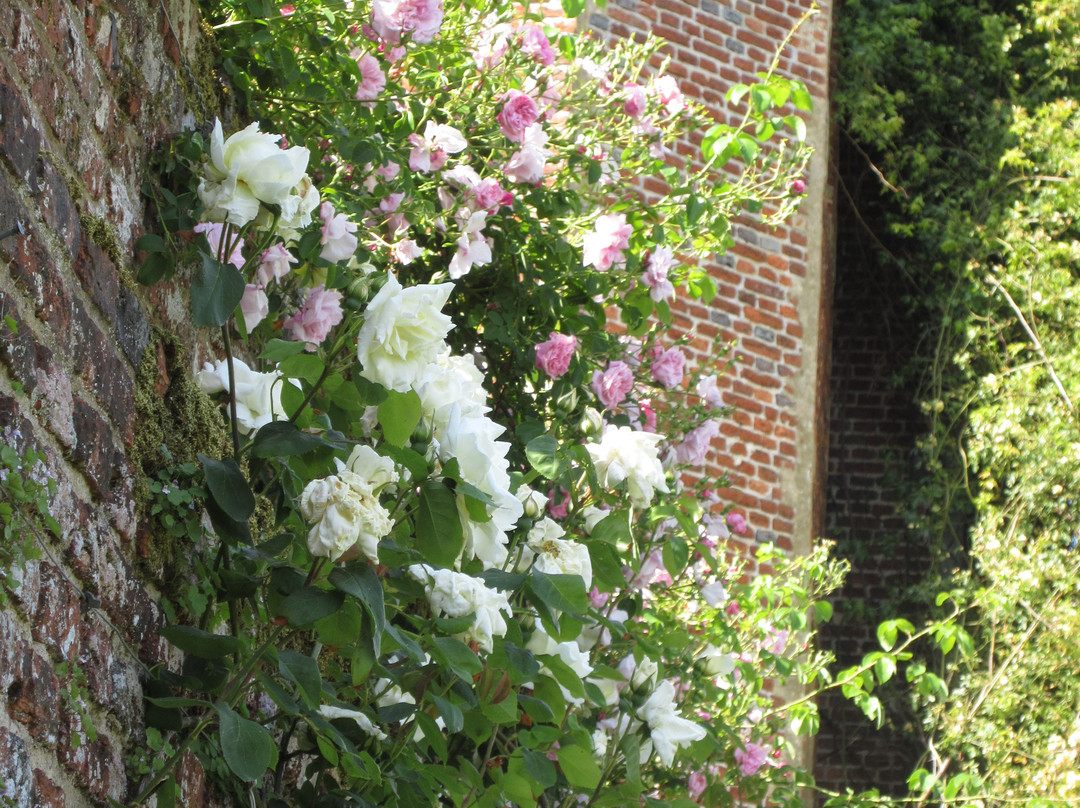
x: 87, y: 90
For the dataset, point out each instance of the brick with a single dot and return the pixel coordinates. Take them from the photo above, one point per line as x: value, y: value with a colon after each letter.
x: 15, y: 770
x: 20, y: 140
x: 94, y: 452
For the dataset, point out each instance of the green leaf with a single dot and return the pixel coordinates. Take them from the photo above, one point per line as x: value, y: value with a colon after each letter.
x: 248, y: 748
x: 215, y: 293
x: 564, y: 593
x: 579, y: 767
x: 307, y: 605
x: 278, y: 349
x: 304, y: 672
x: 229, y: 487
x: 539, y: 768
x: 308, y: 367
x: 542, y: 452
x: 398, y: 416
x: 283, y: 439
x: 451, y: 714
x: 695, y: 206
x: 360, y: 581
x: 152, y: 243
x: 462, y: 660
x: 800, y: 97
x: 439, y: 536
x: 572, y: 8
x: 201, y: 643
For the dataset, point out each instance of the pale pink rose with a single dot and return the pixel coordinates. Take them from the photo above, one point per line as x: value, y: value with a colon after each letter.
x: 372, y: 78
x: 635, y: 98
x: 254, y: 305
x: 553, y: 356
x: 737, y: 522
x: 655, y: 276
x: 527, y: 165
x: 648, y: 417
x: 603, y: 248
x: 652, y: 571
x: 391, y: 203
x: 396, y: 54
x: 598, y: 599
x: 472, y: 250
x: 695, y: 446
x: 213, y: 232
x: 695, y: 785
x: 275, y: 264
x: 431, y: 149
x: 321, y: 312
x: 421, y: 18
x: 405, y: 251
x: 556, y: 509
x: 751, y: 759
x: 706, y: 389
x: 667, y: 367
x: 488, y: 195
x: 489, y: 52
x: 667, y: 89
x: 535, y: 43
x: 614, y: 384
x: 338, y: 235
x: 518, y: 113
x: 388, y: 171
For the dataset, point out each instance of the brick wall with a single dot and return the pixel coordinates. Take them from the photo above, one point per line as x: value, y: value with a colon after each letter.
x: 872, y: 432
x: 773, y: 284
x: 87, y: 89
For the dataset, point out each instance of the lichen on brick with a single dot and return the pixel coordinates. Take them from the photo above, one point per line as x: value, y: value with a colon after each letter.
x: 103, y: 234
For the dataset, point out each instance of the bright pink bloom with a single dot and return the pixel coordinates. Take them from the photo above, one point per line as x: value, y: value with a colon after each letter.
x: 603, y: 248
x: 695, y: 446
x: 287, y: 9
x: 372, y: 78
x: 751, y: 759
x: 634, y: 104
x: 648, y: 417
x: 321, y: 312
x: 338, y: 235
x: 275, y: 264
x: 488, y: 195
x: 737, y: 522
x: 254, y: 305
x: 656, y: 274
x: 556, y: 509
x: 598, y: 599
x: 614, y: 384
x: 798, y: 187
x: 553, y: 356
x: 213, y: 232
x: 518, y: 113
x: 535, y: 43
x: 392, y: 18
x: 667, y: 367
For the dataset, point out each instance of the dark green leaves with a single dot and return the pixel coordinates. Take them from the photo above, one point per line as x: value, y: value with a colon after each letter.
x: 283, y: 439
x: 360, y: 581
x: 248, y: 748
x: 542, y: 452
x: 439, y: 537
x: 215, y: 293
x: 200, y: 643
x: 229, y: 487
x: 307, y: 605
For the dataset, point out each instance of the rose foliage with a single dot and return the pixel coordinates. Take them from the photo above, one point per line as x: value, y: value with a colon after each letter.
x: 454, y: 556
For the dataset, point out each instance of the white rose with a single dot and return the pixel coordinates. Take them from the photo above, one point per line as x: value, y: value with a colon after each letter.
x: 455, y: 594
x: 574, y: 658
x: 557, y: 556
x: 258, y: 395
x: 669, y: 730
x: 330, y: 712
x: 448, y: 381
x: 346, y: 512
x: 715, y: 662
x: 627, y: 455
x: 247, y: 168
x: 534, y: 502
x: 404, y: 331
x: 372, y: 466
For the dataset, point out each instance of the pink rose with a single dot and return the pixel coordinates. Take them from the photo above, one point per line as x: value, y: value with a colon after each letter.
x: 321, y: 312
x: 669, y: 93
x: 254, y: 305
x: 614, y: 384
x: 656, y: 274
x: 737, y: 522
x: 695, y: 785
x: 598, y: 599
x: 603, y: 248
x: 535, y: 43
x: 648, y: 417
x: 392, y: 18
x: 430, y: 150
x: 213, y: 232
x: 338, y: 235
x: 556, y: 509
x: 527, y: 164
x: 751, y: 759
x: 388, y: 171
x: 553, y: 356
x: 798, y: 187
x: 635, y: 97
x: 405, y: 251
x: 519, y: 112
x: 667, y: 367
x: 488, y: 195
x: 706, y: 390
x: 275, y: 264
x: 372, y: 78
x: 695, y: 446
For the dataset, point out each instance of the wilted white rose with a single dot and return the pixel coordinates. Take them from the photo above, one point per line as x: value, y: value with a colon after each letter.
x: 345, y: 512
x: 628, y: 455
x: 456, y: 594
x: 329, y: 712
x: 669, y: 730
x: 404, y: 331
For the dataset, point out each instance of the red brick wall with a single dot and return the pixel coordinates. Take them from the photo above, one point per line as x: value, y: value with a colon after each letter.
x: 87, y: 89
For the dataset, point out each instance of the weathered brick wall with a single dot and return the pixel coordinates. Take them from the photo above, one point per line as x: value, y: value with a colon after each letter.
x: 87, y: 89
x: 773, y: 284
x: 872, y: 431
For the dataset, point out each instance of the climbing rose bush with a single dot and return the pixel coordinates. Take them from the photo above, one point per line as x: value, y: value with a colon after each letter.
x: 452, y: 556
